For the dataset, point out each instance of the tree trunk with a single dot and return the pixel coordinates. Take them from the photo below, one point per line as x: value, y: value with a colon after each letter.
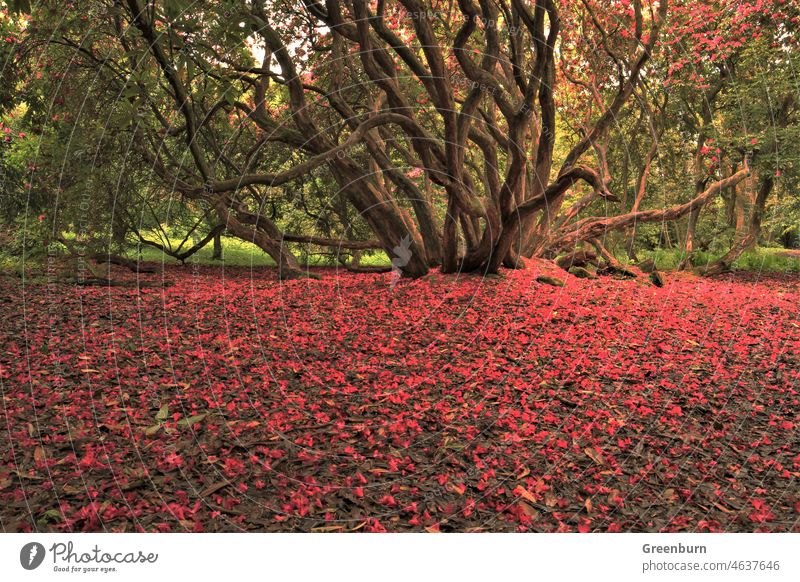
x: 745, y: 205
x: 688, y: 247
x: 750, y: 238
x: 641, y: 190
x: 217, y: 255
x: 266, y: 236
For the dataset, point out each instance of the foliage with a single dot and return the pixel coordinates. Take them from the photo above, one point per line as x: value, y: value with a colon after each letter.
x: 268, y: 86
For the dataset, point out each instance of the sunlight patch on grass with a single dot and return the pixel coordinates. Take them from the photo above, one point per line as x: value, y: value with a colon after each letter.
x: 239, y: 253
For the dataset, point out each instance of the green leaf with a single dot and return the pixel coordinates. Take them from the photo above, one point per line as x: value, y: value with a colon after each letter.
x: 175, y: 8
x: 191, y: 420
x: 52, y: 515
x: 130, y: 91
x: 163, y: 412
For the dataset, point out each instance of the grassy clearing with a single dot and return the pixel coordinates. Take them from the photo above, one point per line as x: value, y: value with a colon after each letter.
x: 239, y: 253
x: 768, y: 259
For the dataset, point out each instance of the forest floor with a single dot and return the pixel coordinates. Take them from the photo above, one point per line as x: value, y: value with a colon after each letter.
x: 229, y: 401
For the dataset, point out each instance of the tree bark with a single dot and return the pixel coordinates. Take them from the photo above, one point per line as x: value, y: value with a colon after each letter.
x: 688, y: 247
x: 750, y: 238
x: 217, y: 254
x: 641, y: 190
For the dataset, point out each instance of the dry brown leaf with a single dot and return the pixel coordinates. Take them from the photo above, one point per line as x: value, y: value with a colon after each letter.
x: 525, y: 494
x: 594, y: 455
x: 530, y: 511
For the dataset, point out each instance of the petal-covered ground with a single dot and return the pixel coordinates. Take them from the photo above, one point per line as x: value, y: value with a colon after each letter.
x: 230, y: 401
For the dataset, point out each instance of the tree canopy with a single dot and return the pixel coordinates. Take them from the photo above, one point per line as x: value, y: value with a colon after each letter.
x: 469, y: 135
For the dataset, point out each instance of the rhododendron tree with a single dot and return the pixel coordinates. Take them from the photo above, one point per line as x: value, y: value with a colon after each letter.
x: 481, y: 132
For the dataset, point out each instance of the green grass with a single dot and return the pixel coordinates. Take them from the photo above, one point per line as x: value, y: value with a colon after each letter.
x: 235, y: 252
x: 759, y: 259
x: 239, y: 253
x: 767, y: 259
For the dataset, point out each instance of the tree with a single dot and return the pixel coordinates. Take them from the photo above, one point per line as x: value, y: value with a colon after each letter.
x: 482, y: 132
